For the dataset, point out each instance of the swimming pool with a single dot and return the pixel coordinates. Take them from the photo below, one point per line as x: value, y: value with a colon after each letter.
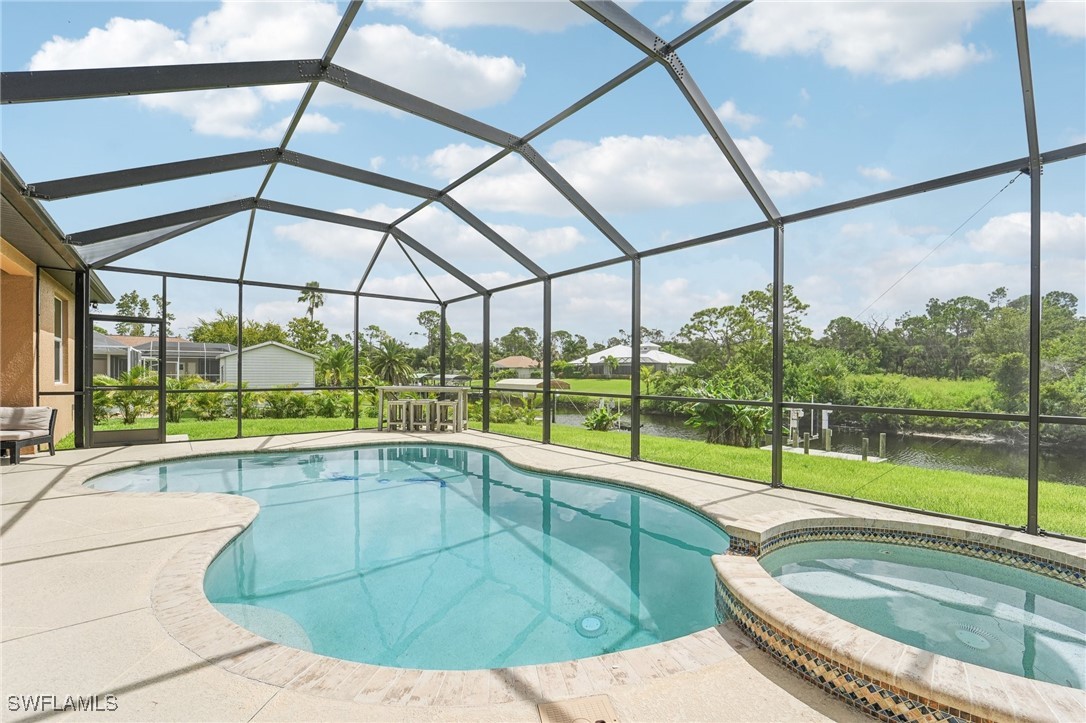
x: 443, y: 557
x: 970, y: 609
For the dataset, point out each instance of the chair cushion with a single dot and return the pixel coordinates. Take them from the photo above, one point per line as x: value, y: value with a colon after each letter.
x: 11, y: 435
x: 25, y: 418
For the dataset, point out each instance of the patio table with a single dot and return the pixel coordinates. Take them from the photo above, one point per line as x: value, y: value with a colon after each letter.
x: 460, y: 392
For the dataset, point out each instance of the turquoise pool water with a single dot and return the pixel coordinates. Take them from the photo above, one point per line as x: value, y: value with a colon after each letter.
x: 447, y: 557
x: 974, y: 610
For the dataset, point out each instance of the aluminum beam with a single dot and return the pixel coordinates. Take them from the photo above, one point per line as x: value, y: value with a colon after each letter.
x: 437, y: 260
x: 492, y: 236
x: 130, y: 228
x: 37, y: 86
x: 777, y: 453
x: 144, y: 175
x: 635, y: 359
x: 401, y: 100
x: 574, y: 197
x: 342, y: 219
x: 1035, y: 291
x: 418, y: 271
x: 358, y: 175
x: 373, y: 260
x: 631, y: 29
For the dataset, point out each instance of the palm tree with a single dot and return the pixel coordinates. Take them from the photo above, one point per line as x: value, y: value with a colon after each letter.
x: 334, y: 365
x: 312, y: 298
x: 390, y: 361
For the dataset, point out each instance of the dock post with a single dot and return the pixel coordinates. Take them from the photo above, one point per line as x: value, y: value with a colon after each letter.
x: 806, y: 442
x: 863, y: 448
x: 882, y: 445
x: 826, y: 435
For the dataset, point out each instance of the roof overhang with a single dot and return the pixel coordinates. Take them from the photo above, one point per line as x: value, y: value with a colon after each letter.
x: 32, y: 231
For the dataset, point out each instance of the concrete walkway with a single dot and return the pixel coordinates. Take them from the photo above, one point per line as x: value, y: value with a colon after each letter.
x: 83, y: 575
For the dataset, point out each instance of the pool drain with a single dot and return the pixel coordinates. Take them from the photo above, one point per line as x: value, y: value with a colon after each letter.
x: 973, y: 637
x: 590, y: 626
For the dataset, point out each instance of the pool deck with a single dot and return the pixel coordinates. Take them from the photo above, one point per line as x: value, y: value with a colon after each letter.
x: 102, y: 594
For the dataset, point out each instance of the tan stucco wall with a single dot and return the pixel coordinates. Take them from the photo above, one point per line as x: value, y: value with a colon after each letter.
x: 17, y: 378
x: 48, y: 290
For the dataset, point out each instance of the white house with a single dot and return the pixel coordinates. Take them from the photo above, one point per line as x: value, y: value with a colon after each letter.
x: 270, y: 364
x: 651, y: 356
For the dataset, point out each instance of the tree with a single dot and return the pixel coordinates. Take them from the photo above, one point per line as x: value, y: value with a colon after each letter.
x: 519, y: 341
x: 430, y: 321
x: 311, y: 297
x: 163, y: 313
x: 132, y: 304
x: 223, y: 329
x: 390, y: 361
x: 306, y: 334
x: 334, y: 365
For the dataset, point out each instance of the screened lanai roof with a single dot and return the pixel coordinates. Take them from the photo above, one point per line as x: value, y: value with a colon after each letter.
x: 438, y: 151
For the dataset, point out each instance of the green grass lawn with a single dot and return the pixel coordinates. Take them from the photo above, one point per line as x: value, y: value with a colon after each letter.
x: 983, y: 497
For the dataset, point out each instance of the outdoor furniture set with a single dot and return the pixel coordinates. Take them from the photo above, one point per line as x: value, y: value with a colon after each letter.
x: 26, y: 427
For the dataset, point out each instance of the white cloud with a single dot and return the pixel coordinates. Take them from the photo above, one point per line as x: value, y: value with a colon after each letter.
x: 1059, y: 17
x: 333, y: 241
x: 621, y: 174
x: 892, y: 40
x: 1009, y: 235
x: 664, y: 20
x: 804, y: 95
x: 796, y: 121
x: 731, y: 115
x: 376, y: 162
x: 425, y: 66
x: 875, y: 173
x: 451, y: 162
x: 536, y: 17
x: 241, y: 31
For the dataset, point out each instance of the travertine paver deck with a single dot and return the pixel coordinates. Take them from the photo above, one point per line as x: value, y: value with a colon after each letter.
x: 102, y: 594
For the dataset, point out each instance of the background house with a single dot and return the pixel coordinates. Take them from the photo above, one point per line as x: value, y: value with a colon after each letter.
x: 270, y: 364
x: 522, y: 365
x: 651, y: 356
x: 114, y: 354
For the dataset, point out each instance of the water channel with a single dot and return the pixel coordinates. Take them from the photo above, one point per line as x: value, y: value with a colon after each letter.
x: 950, y: 452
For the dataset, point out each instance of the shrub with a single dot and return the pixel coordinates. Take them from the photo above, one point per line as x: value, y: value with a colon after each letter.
x: 601, y: 419
x: 284, y: 404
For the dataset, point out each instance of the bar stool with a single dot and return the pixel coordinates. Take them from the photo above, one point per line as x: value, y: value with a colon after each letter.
x: 421, y: 415
x: 446, y: 416
x: 397, y: 415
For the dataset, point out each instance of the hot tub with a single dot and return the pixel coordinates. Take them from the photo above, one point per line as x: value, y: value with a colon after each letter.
x: 913, y: 620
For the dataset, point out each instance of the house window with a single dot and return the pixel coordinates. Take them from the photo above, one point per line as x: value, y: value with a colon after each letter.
x: 58, y: 340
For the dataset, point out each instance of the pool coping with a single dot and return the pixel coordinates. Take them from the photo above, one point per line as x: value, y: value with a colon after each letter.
x: 181, y: 607
x: 887, y: 678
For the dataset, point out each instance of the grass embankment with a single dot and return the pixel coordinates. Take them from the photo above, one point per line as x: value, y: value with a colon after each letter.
x: 980, y: 496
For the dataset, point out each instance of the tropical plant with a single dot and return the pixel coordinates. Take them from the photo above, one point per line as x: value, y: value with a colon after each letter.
x: 133, y: 403
x: 329, y: 403
x: 610, y: 364
x: 178, y: 404
x: 734, y: 423
x: 311, y: 297
x: 102, y: 399
x: 334, y: 365
x: 601, y: 419
x: 284, y: 403
x: 390, y: 361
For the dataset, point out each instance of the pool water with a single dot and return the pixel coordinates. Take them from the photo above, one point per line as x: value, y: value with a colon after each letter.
x: 444, y: 557
x: 974, y: 610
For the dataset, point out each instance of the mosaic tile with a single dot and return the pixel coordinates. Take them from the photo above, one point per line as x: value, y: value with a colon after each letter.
x: 877, y: 698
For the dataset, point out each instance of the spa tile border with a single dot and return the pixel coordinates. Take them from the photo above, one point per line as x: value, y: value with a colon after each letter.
x: 945, y: 543
x: 878, y: 675
x: 881, y: 700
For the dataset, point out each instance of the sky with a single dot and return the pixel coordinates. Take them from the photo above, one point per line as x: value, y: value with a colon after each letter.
x: 826, y: 101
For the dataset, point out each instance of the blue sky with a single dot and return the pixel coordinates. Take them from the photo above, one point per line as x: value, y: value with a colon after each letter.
x: 827, y: 101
